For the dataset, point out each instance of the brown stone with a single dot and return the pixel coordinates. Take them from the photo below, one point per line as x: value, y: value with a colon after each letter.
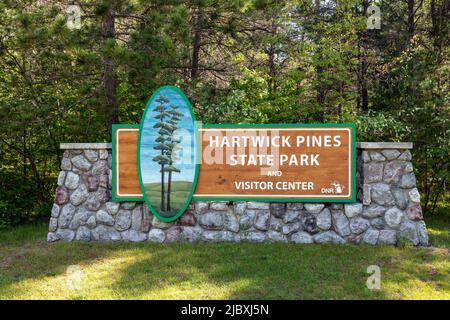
x: 62, y: 195
x: 91, y: 181
x: 414, y: 212
x: 187, y: 219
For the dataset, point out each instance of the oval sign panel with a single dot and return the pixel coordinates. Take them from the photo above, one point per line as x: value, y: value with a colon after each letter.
x: 167, y: 153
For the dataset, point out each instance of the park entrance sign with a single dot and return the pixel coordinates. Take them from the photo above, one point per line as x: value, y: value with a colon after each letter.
x: 193, y: 161
x: 305, y: 163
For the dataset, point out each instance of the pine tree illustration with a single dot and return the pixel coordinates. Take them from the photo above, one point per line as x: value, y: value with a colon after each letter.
x: 162, y: 140
x: 176, y: 116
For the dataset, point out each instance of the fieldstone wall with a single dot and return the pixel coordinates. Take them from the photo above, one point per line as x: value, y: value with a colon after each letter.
x: 388, y: 208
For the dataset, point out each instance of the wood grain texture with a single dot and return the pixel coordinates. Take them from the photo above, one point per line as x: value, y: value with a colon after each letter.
x: 217, y: 180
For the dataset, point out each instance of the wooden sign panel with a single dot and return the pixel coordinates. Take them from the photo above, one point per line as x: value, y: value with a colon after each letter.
x: 258, y: 162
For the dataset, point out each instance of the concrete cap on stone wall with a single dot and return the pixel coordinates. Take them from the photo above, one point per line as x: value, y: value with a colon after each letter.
x: 82, y: 146
x: 384, y: 145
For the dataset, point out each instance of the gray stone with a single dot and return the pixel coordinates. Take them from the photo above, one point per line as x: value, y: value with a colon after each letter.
x: 65, y: 234
x: 123, y: 220
x: 414, y: 195
x: 408, y: 181
x: 219, y: 236
x: 314, y: 207
x: 136, y: 218
x: 258, y: 205
x: 103, y: 154
x: 220, y: 206
x: 275, y: 224
x: 191, y: 234
x: 290, y: 216
x: 66, y: 164
x: 201, y: 207
x: 160, y: 224
x: 373, y: 211
x: 365, y: 156
x: 393, y: 171
x: 103, y: 181
x: 66, y: 215
x: 408, y: 232
x: 381, y: 194
x: 378, y: 223
x: 422, y: 232
x: 105, y: 233
x: 105, y: 218
x: 405, y: 156
x: 112, y: 207
x: 52, y: 237
x: 91, y: 155
x: 79, y: 195
x: 72, y: 180
x: 377, y: 156
x: 301, y: 237
x: 239, y: 207
x: 156, y: 235
x: 278, y: 209
x: 387, y: 237
x: 291, y: 228
x: 262, y: 221
x: 414, y: 212
x: 323, y: 220
x: 61, y: 178
x: 254, y: 236
x: 100, y: 167
x: 353, y: 209
x: 390, y: 154
x: 276, y: 236
x: 295, y: 206
x: 341, y: 224
x: 109, y: 161
x: 373, y: 172
x: 92, y: 181
x: 91, y: 222
x: 212, y: 220
x: 80, y: 218
x: 134, y: 236
x: 247, y: 219
x: 409, y: 167
x: 81, y: 163
x: 55, y: 211
x: 309, y: 223
x: 92, y: 203
x: 401, y: 199
x: 358, y: 225
x: 103, y: 195
x: 336, y: 206
x: 53, y: 224
x: 366, y: 194
x: 371, y: 236
x: 173, y: 234
x: 231, y: 221
x: 328, y: 237
x: 393, y: 217
x: 127, y: 205
x: 83, y: 234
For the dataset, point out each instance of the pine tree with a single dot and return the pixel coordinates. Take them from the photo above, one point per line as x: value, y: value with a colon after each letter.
x: 175, y: 118
x: 161, y: 140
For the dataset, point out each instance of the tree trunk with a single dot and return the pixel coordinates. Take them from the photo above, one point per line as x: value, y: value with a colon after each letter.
x: 320, y: 90
x: 169, y: 189
x: 163, y: 203
x: 111, y: 110
x: 411, y: 23
x: 363, y: 67
x: 196, y: 53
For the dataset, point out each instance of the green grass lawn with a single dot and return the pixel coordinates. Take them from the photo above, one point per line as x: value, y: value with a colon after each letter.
x: 32, y: 268
x: 180, y: 191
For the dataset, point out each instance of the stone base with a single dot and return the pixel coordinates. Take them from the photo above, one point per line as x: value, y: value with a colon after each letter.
x: 387, y: 211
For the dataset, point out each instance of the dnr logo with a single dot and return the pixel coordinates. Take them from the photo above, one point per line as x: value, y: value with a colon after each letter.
x: 336, y: 188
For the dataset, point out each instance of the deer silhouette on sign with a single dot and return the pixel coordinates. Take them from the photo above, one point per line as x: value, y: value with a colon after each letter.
x: 338, y: 188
